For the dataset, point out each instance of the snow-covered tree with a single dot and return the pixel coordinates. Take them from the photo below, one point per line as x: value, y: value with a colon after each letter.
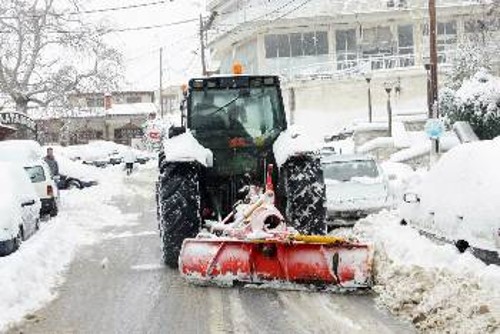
x: 471, y: 56
x: 47, y: 50
x: 477, y: 101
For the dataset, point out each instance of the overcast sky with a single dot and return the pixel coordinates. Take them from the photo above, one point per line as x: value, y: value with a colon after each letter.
x: 141, y: 48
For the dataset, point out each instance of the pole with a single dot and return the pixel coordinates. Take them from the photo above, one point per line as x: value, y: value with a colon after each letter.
x: 433, y: 57
x: 202, y: 45
x: 369, y: 103
x: 161, y: 82
x: 389, y: 112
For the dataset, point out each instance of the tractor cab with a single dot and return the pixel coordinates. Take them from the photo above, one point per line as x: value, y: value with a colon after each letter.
x: 238, y: 118
x: 235, y: 111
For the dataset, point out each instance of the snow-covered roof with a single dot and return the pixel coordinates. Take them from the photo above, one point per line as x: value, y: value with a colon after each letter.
x: 116, y: 110
x: 132, y: 109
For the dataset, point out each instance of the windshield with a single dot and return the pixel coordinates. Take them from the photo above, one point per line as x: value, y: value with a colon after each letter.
x: 346, y: 170
x: 36, y: 173
x: 251, y: 112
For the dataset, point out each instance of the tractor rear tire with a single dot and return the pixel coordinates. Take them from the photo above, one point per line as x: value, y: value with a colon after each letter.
x: 304, y: 194
x: 179, y: 205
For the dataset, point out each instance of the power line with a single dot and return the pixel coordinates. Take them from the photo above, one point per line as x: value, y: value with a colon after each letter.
x: 101, y: 10
x: 116, y: 30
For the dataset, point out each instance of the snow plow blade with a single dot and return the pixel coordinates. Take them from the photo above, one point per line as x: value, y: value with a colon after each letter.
x: 318, y: 260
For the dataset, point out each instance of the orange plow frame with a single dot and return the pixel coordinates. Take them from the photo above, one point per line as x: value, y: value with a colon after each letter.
x: 298, y: 259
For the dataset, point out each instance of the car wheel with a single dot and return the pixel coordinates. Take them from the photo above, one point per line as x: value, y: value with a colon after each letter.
x: 74, y: 184
x: 462, y: 245
x: 18, y: 240
x: 54, y: 210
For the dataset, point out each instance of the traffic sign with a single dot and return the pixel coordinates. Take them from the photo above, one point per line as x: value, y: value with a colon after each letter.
x: 434, y: 128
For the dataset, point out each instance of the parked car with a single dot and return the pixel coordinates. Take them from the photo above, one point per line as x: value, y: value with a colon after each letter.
x: 355, y: 187
x: 66, y: 182
x: 19, y: 207
x: 101, y: 163
x: 29, y: 154
x: 458, y: 200
x: 45, y: 186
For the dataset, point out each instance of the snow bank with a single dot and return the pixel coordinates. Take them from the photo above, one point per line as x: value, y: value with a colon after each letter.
x: 433, y: 286
x: 186, y: 148
x: 423, y: 146
x: 376, y: 143
x: 28, y: 277
x: 292, y: 142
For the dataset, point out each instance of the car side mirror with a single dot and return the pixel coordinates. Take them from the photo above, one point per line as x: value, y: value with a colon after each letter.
x: 411, y: 198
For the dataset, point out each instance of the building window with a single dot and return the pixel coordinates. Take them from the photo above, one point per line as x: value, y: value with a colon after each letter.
x: 133, y: 99
x: 345, y: 47
x: 296, y: 44
x: 377, y: 41
x: 95, y: 102
x: 271, y: 43
x: 405, y: 45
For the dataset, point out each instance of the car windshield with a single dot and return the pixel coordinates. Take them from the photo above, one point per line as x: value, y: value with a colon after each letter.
x: 35, y: 173
x: 346, y: 170
x: 252, y: 112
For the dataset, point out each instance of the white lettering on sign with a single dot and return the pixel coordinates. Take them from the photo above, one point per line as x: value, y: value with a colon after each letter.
x: 14, y: 118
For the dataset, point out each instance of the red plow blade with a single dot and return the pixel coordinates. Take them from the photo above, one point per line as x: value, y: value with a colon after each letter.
x: 225, y: 260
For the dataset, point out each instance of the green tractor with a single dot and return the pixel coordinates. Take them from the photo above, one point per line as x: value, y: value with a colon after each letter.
x: 234, y: 133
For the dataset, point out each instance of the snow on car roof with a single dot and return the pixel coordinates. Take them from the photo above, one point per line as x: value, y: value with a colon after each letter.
x: 20, y: 150
x: 345, y: 157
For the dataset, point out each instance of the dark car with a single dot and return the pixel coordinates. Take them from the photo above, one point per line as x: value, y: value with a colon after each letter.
x: 67, y: 182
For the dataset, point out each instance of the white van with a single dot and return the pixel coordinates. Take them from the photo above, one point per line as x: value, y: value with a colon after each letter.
x: 29, y: 154
x: 19, y: 207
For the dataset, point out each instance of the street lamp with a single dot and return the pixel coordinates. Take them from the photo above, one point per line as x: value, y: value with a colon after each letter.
x: 368, y: 78
x: 388, y: 89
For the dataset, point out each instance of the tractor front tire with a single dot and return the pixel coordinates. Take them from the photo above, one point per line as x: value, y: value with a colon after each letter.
x: 179, y: 205
x: 303, y: 191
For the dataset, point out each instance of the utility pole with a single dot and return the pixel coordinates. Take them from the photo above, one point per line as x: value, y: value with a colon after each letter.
x: 202, y: 45
x: 434, y: 76
x: 433, y: 58
x: 161, y: 82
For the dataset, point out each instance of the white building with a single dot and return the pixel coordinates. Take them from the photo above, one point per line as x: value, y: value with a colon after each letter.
x: 323, y: 48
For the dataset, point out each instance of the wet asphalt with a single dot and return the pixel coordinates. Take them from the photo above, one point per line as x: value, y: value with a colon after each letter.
x: 121, y: 286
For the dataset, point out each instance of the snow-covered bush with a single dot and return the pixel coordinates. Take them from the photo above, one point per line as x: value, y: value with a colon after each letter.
x: 477, y: 101
x: 471, y: 57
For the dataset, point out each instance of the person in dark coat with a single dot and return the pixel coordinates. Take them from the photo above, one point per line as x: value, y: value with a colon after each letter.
x: 51, y: 161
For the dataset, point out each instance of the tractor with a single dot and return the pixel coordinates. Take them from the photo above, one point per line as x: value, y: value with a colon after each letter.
x: 238, y: 119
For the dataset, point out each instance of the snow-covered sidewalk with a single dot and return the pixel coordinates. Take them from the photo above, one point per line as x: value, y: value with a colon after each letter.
x: 29, y: 277
x: 432, y: 285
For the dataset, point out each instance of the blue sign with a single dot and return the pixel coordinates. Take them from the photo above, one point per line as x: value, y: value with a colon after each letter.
x: 434, y: 128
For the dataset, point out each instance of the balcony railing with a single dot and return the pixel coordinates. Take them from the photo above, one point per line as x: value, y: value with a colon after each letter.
x: 352, y: 65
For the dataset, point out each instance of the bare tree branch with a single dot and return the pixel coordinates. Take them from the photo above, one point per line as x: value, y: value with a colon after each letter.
x: 44, y: 54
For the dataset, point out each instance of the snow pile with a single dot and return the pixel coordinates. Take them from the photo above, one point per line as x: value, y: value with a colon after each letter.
x: 433, y: 286
x: 186, y: 148
x: 28, y: 277
x: 446, y: 142
x: 376, y: 143
x: 463, y: 191
x: 399, y: 176
x: 292, y: 142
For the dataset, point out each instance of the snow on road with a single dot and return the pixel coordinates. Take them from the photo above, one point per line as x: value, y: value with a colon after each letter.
x: 28, y: 277
x: 432, y: 285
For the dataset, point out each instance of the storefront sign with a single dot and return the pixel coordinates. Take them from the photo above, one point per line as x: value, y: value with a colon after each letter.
x: 14, y: 118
